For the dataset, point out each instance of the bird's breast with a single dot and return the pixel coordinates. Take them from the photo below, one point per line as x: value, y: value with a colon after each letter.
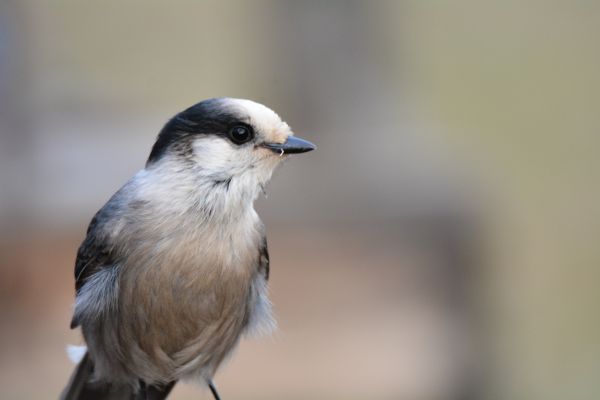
x: 185, y: 280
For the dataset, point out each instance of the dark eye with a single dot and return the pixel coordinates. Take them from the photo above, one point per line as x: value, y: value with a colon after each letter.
x: 240, y: 134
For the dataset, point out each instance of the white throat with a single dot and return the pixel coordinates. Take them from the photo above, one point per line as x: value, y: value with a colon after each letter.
x: 217, y: 182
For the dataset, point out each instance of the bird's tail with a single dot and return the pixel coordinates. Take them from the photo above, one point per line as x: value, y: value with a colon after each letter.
x: 80, y: 387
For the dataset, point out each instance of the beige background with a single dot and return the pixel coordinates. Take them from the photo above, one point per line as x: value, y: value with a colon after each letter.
x: 441, y: 243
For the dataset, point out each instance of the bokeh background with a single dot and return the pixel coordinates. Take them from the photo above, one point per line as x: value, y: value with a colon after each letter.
x: 441, y: 243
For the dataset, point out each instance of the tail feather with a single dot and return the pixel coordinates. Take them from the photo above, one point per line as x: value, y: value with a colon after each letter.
x: 80, y: 387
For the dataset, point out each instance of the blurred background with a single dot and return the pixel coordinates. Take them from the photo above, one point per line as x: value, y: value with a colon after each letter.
x: 441, y: 243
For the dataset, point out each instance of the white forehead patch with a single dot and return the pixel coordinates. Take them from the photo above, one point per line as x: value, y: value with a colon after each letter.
x: 264, y: 120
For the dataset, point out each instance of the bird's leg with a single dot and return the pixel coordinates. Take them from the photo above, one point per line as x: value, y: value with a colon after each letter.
x: 213, y: 390
x: 142, y: 393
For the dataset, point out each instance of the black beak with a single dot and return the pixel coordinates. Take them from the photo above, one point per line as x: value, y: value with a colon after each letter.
x: 292, y: 145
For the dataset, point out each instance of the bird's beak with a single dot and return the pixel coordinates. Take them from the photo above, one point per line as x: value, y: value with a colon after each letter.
x: 291, y: 145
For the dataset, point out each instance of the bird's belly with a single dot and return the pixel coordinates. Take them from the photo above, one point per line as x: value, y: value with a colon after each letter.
x: 185, y: 319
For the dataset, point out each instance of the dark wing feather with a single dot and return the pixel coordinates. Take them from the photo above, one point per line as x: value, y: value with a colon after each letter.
x: 93, y: 254
x: 263, y: 258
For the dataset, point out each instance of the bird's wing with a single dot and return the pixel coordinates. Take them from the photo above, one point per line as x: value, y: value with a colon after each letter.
x: 93, y: 254
x: 263, y: 258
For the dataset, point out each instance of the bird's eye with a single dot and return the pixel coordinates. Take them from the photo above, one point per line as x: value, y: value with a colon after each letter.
x: 240, y: 134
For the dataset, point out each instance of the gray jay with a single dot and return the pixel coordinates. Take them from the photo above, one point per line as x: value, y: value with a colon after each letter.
x: 174, y: 266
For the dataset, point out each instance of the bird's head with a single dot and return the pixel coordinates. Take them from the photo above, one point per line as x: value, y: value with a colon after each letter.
x: 226, y: 141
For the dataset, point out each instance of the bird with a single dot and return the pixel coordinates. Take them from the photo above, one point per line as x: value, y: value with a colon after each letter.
x: 174, y: 267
